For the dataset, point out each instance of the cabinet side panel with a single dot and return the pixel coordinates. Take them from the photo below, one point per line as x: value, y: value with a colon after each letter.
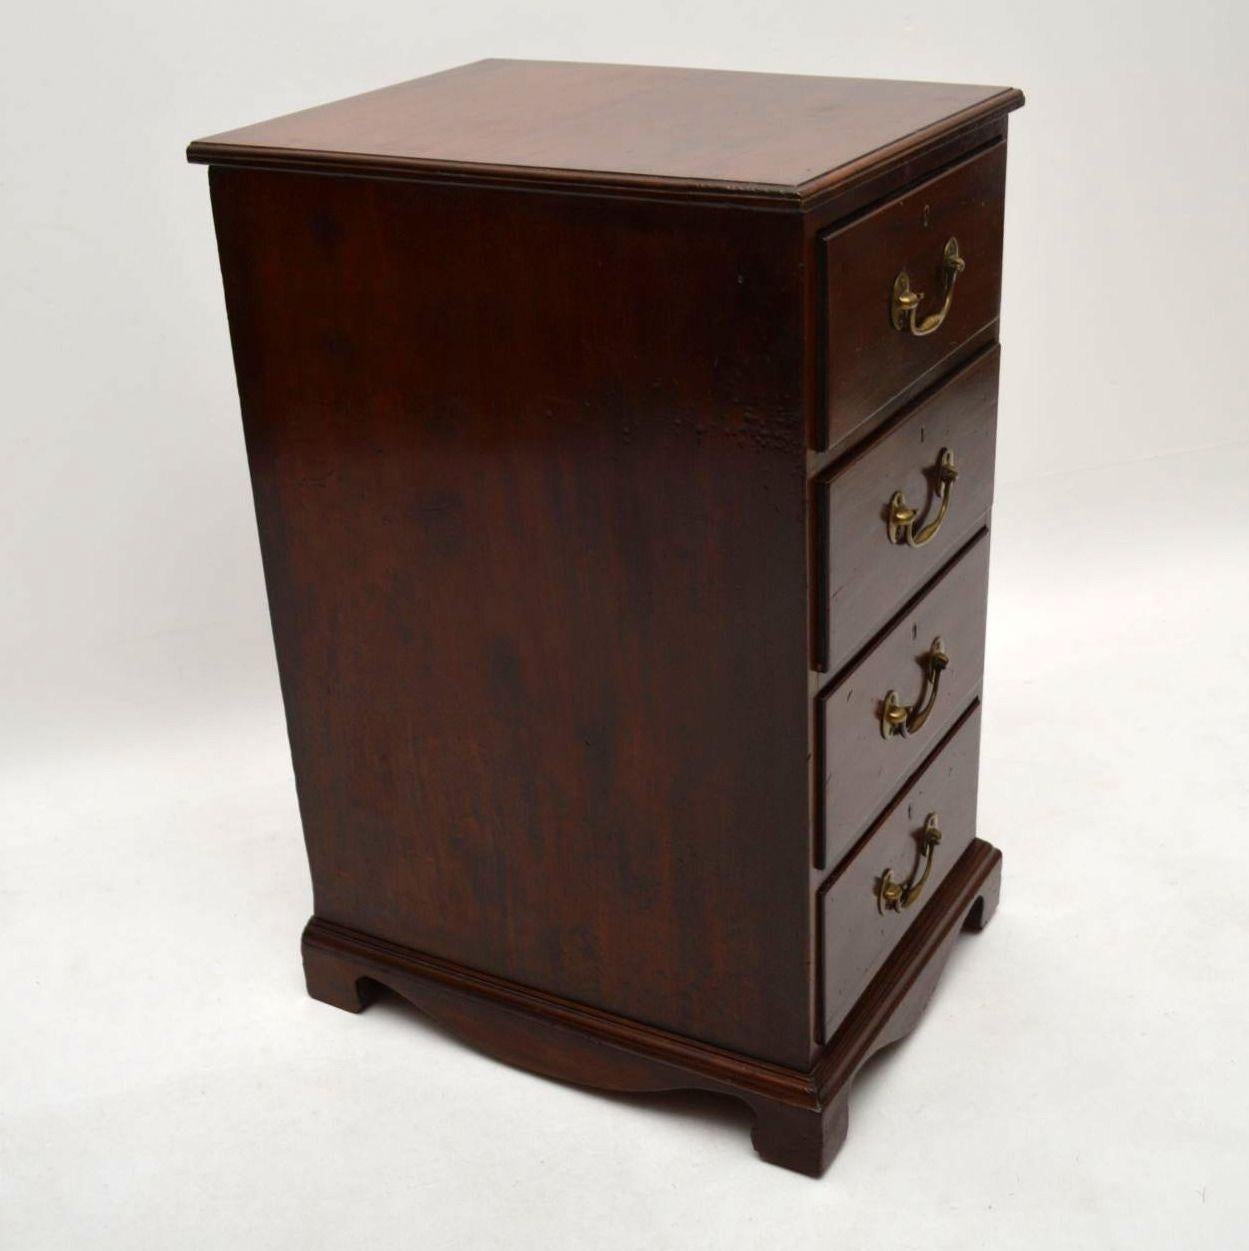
x: 529, y: 478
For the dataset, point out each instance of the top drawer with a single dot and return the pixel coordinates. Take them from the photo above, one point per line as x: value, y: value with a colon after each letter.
x: 880, y: 350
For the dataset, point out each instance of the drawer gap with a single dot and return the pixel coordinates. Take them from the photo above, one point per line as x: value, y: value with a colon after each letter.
x: 910, y: 604
x: 904, y: 786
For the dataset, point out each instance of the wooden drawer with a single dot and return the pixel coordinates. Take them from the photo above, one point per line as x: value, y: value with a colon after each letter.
x: 859, y: 767
x: 870, y: 365
x: 859, y: 927
x: 869, y: 569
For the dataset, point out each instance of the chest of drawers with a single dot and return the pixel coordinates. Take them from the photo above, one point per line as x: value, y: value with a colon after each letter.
x: 622, y: 449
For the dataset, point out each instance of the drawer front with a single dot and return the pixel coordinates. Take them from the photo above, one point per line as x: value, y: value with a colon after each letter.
x: 871, y: 564
x: 862, y: 765
x: 870, y: 364
x: 879, y: 891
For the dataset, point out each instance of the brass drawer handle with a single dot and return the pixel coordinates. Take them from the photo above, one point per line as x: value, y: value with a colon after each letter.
x: 904, y: 307
x: 894, y: 896
x: 902, y: 517
x: 901, y: 719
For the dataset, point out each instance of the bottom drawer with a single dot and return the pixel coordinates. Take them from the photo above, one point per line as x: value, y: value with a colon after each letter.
x: 882, y: 885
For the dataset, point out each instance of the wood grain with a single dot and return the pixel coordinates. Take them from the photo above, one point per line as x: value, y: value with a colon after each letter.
x: 860, y: 769
x: 552, y: 378
x: 747, y: 136
x: 871, y: 366
x: 535, y: 566
x: 801, y: 1116
x: 863, y: 577
x: 856, y: 937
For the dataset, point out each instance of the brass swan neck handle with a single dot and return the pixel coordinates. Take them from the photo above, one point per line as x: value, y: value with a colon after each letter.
x: 895, y: 896
x: 899, y: 719
x: 902, y: 517
x: 904, y: 306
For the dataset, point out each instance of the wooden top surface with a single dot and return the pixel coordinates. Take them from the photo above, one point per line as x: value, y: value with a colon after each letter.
x: 742, y: 135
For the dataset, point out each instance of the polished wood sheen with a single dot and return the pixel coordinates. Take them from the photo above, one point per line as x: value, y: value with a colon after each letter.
x: 800, y: 1118
x: 860, y: 768
x: 538, y: 725
x: 862, y: 574
x: 740, y: 135
x: 871, y: 364
x: 529, y: 357
x: 856, y: 934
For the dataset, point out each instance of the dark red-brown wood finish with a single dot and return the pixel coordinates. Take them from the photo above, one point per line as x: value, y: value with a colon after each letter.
x: 770, y: 140
x: 873, y: 365
x: 862, y: 575
x: 560, y: 561
x: 859, y: 766
x: 858, y: 931
x: 545, y: 716
x: 800, y: 1117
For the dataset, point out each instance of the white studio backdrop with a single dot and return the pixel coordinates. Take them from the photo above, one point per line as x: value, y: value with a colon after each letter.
x: 166, y: 1084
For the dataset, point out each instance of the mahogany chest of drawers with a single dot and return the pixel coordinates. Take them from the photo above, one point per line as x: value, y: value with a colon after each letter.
x: 622, y: 447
